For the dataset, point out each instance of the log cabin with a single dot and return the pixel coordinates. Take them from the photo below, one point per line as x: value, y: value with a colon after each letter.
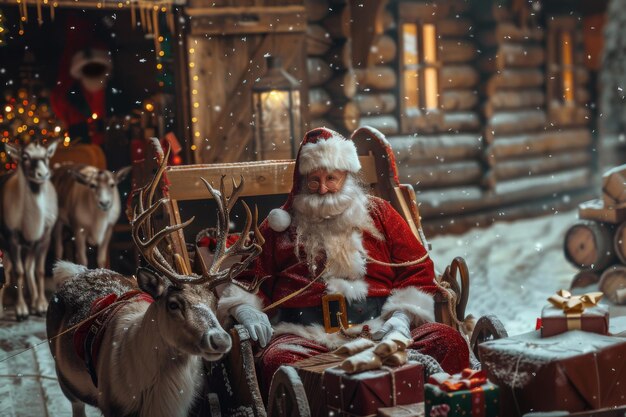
x: 489, y: 105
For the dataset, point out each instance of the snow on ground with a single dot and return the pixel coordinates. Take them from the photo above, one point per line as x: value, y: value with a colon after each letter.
x: 513, y: 267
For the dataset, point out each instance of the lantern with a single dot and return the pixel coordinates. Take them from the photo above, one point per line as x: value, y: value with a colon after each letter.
x: 276, y: 112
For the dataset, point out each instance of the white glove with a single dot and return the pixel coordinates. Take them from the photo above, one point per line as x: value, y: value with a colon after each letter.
x: 255, y: 322
x: 398, y: 323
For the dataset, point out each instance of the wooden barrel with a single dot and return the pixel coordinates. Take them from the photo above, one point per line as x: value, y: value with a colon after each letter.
x: 589, y: 245
x: 585, y: 278
x: 619, y: 242
x: 613, y: 284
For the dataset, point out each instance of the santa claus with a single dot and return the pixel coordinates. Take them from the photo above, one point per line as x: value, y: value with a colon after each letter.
x: 332, y: 249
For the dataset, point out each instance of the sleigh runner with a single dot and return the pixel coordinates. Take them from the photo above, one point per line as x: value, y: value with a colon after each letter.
x: 233, y: 387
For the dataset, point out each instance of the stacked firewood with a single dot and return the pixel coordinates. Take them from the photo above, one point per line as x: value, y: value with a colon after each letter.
x: 597, y: 243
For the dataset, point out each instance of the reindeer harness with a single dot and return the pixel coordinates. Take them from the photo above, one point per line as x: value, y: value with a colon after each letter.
x: 88, y: 337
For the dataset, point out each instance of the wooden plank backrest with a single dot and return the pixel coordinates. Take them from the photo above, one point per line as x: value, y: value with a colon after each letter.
x: 261, y: 177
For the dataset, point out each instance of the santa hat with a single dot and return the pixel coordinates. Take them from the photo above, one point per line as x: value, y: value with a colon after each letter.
x: 321, y: 148
x: 87, y: 56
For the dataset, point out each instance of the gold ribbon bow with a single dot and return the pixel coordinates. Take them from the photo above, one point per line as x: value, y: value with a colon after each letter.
x: 572, y: 304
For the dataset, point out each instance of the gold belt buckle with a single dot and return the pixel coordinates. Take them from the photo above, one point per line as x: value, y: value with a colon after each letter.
x: 342, y: 316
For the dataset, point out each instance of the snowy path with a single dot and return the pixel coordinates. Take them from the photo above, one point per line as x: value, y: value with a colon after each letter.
x: 514, y: 267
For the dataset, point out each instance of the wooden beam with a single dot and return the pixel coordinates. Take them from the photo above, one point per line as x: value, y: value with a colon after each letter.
x: 247, y: 20
x: 415, y: 150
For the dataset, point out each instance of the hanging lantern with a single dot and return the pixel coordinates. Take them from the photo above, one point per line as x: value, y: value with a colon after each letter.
x: 276, y: 112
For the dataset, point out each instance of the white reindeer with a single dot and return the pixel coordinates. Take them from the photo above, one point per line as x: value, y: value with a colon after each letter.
x: 28, y: 211
x: 89, y: 204
x: 149, y: 363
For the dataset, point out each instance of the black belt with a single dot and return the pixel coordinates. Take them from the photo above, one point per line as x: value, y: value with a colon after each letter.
x: 357, y: 312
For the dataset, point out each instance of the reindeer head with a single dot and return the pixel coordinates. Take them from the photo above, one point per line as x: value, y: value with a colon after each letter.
x: 102, y: 183
x: 33, y: 159
x: 187, y: 301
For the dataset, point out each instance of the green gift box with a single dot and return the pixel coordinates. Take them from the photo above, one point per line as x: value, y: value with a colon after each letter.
x: 467, y: 394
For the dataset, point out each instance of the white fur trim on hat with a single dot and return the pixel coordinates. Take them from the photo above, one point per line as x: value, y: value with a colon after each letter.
x: 88, y: 56
x: 279, y: 220
x: 418, y: 305
x: 332, y: 153
x: 234, y: 296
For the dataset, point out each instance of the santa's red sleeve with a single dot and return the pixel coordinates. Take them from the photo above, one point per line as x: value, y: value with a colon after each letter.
x: 413, y: 286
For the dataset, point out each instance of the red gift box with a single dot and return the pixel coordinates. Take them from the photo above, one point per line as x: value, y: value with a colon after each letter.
x: 574, y: 312
x: 362, y: 394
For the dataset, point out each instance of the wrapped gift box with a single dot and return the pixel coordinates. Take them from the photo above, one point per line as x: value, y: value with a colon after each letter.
x: 362, y: 394
x: 315, y: 371
x: 573, y: 371
x: 468, y: 394
x: 568, y: 312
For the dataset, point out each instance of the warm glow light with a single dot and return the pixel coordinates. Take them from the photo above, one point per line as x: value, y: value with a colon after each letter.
x: 94, y: 116
x: 160, y: 38
x: 161, y: 53
x: 159, y: 66
x: 194, y: 119
x: 196, y: 105
x: 191, y: 50
x: 194, y: 91
x: 191, y: 65
x: 57, y: 129
x: 194, y: 147
x: 197, y: 134
x: 195, y: 78
x: 36, y: 119
x: 8, y: 109
x: 20, y: 110
x: 149, y: 107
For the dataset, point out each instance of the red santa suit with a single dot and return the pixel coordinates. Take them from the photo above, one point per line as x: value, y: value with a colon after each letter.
x: 373, y: 293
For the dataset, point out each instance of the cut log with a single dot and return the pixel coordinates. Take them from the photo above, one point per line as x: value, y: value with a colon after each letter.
x: 568, y: 116
x: 461, y: 122
x: 375, y: 103
x: 441, y: 175
x: 420, y: 149
x: 316, y: 9
x: 583, y: 97
x: 515, y: 78
x: 595, y: 210
x: 514, y: 99
x: 531, y: 187
x: 346, y: 116
x: 337, y: 22
x: 319, y: 102
x: 452, y: 100
x: 589, y: 245
x: 510, y: 32
x: 342, y: 86
x: 458, y: 76
x: 504, y: 170
x: 539, y: 143
x: 613, y: 284
x: 454, y: 27
x: 318, y: 40
x: 584, y: 279
x: 315, y: 123
x: 614, y: 186
x: 386, y: 124
x: 511, y: 122
x: 377, y: 78
x: 383, y: 50
x: 518, y: 56
x: 454, y: 52
x: 318, y: 70
x: 619, y: 242
x: 339, y: 56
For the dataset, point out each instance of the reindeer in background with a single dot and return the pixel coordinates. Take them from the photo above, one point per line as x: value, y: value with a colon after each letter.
x: 89, y: 204
x: 28, y: 211
x: 149, y: 360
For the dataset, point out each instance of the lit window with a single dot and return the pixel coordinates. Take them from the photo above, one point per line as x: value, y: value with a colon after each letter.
x: 561, y: 83
x: 420, y: 73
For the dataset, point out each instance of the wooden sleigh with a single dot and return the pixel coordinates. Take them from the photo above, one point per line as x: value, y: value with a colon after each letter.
x: 240, y: 394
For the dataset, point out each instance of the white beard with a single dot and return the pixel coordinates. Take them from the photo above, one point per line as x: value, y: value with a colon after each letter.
x: 333, y: 224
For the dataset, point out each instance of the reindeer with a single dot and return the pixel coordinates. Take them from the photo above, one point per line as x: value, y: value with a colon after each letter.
x: 89, y: 204
x: 28, y: 211
x: 149, y: 363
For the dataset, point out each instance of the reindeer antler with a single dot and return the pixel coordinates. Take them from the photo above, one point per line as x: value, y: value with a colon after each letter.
x: 244, y: 246
x: 148, y: 242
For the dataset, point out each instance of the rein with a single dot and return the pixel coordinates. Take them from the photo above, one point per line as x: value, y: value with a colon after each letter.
x: 69, y: 329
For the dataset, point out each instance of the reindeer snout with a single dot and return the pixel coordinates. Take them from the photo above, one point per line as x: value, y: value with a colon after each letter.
x: 217, y: 341
x: 104, y: 205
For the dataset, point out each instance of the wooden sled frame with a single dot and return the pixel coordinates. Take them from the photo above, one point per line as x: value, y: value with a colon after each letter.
x: 379, y: 173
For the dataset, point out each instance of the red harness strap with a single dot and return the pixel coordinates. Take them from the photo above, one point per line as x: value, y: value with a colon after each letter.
x: 88, y: 336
